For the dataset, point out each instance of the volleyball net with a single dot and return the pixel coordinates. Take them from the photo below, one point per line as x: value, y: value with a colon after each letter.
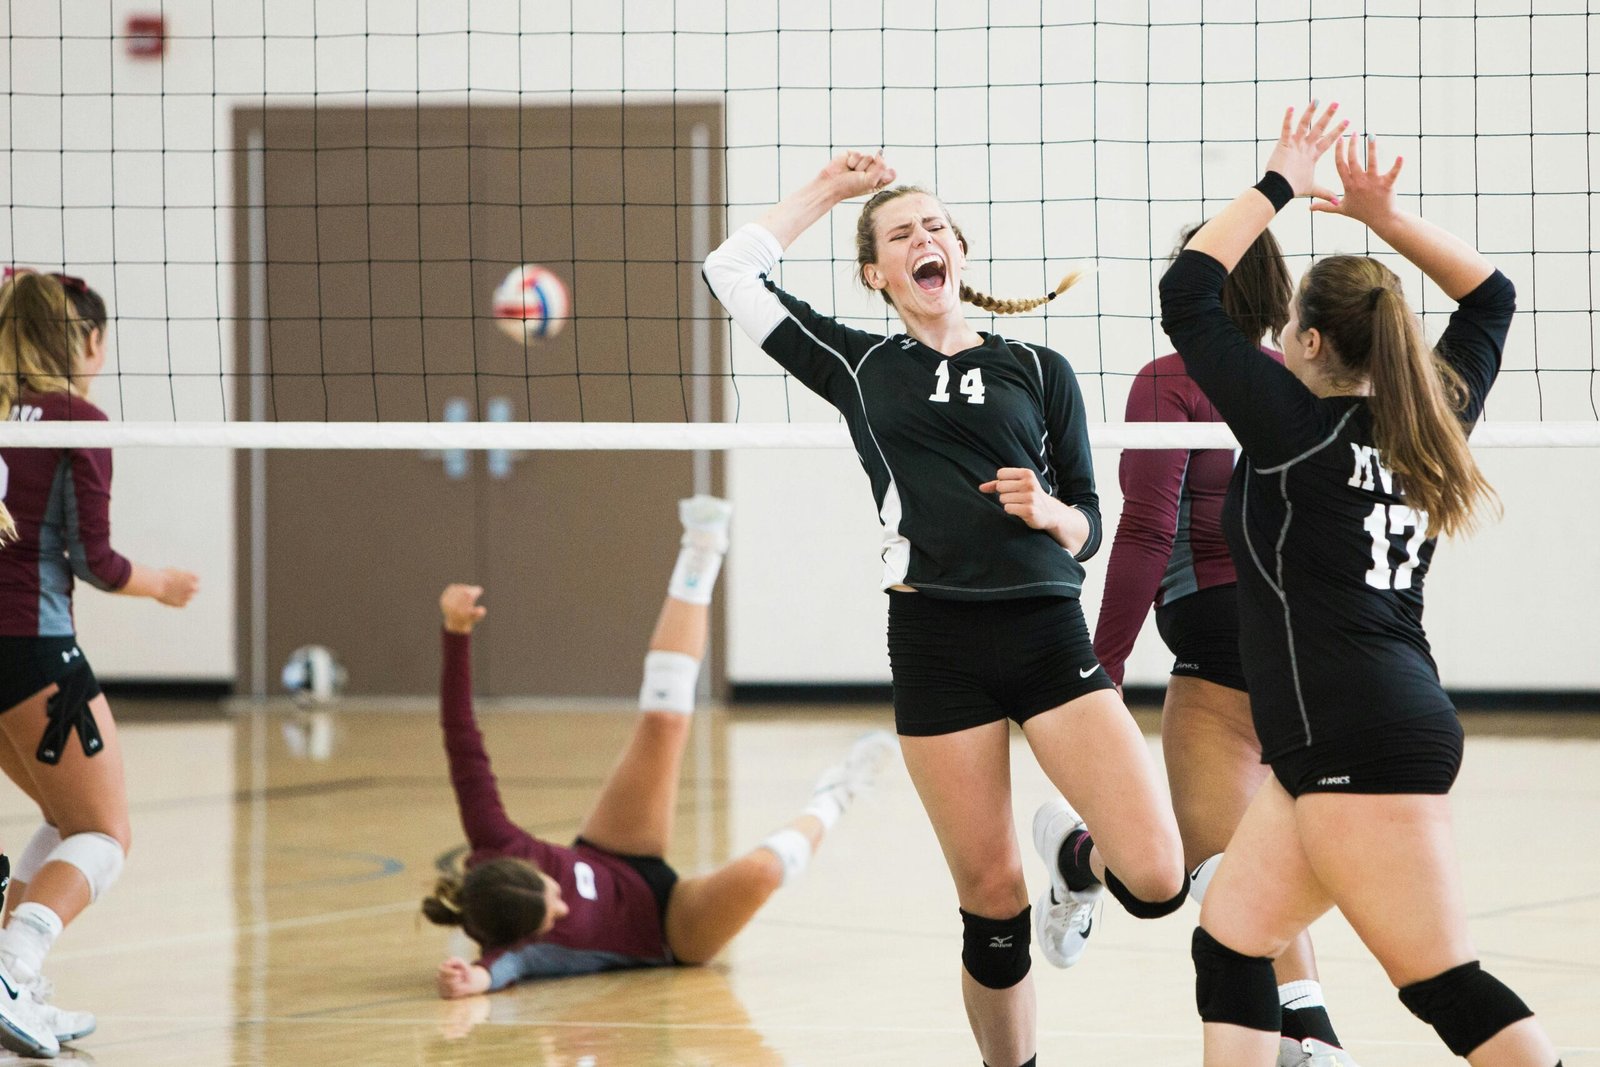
x: 300, y: 214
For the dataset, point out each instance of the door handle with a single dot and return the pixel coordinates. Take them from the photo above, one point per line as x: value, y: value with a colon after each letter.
x: 457, y: 461
x: 500, y: 459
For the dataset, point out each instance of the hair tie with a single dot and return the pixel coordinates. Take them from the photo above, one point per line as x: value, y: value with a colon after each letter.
x: 1373, y: 296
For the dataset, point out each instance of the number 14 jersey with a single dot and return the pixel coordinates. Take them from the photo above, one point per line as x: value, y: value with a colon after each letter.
x: 929, y: 430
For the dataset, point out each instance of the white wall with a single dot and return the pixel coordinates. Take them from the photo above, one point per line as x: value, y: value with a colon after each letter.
x: 1071, y: 143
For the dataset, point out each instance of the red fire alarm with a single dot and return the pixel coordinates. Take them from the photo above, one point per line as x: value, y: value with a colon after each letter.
x: 147, y: 36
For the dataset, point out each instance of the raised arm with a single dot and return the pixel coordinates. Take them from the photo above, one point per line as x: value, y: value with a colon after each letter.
x: 1269, y: 411
x: 483, y: 815
x: 1476, y: 337
x: 820, y: 352
x: 848, y: 174
x: 1453, y: 264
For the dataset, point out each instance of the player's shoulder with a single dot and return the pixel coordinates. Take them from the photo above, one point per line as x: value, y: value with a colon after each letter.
x: 1031, y: 353
x: 55, y: 407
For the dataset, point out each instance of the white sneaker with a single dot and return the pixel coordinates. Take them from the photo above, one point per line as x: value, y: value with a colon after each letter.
x: 705, y: 522
x: 858, y: 771
x: 66, y: 1025
x: 1311, y: 1053
x: 23, y: 1028
x: 1062, y: 916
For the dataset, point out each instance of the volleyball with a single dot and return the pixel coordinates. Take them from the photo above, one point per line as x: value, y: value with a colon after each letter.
x: 531, y: 304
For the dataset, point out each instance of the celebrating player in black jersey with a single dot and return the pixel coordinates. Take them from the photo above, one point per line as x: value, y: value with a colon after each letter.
x: 978, y: 456
x: 1355, y: 457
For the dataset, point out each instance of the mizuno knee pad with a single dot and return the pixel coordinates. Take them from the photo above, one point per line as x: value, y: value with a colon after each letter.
x: 1144, y: 909
x: 995, y: 951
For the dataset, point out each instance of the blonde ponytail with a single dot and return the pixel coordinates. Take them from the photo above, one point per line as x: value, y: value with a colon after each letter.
x: 996, y: 306
x: 41, y: 337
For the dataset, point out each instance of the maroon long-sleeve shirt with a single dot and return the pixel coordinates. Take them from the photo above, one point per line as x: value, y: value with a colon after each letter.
x: 61, y: 501
x: 613, y: 919
x: 1169, y: 539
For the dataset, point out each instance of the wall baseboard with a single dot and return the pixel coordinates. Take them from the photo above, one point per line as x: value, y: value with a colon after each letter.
x: 167, y: 689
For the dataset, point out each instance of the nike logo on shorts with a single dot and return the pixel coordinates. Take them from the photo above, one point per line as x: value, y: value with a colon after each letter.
x: 1086, y: 671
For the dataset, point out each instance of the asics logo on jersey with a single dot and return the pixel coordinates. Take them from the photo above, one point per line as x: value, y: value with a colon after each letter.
x: 1086, y: 671
x: 994, y: 942
x: 1340, y: 779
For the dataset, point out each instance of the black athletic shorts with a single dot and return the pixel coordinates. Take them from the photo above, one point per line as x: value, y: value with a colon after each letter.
x: 1420, y: 756
x: 660, y: 877
x: 30, y: 664
x: 963, y: 663
x: 1202, y: 632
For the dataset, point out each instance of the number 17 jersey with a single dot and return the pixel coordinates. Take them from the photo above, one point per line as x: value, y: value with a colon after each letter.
x: 929, y: 429
x: 1331, y: 559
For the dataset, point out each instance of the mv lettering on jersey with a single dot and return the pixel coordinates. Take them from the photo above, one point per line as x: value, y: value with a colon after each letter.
x: 26, y: 413
x: 971, y: 384
x: 1370, y: 471
x: 1387, y: 524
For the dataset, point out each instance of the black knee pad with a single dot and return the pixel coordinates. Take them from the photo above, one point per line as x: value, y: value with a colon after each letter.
x: 1230, y: 987
x: 1466, y: 1005
x: 1143, y: 909
x: 995, y: 951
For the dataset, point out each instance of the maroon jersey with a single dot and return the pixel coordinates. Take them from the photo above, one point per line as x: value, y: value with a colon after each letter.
x: 613, y: 919
x: 1169, y: 539
x: 61, y: 500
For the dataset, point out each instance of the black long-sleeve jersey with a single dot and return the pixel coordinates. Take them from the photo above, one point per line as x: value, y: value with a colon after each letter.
x: 929, y: 430
x: 1331, y: 560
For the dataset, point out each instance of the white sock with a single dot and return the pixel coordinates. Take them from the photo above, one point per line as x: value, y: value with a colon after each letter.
x: 793, y: 850
x: 695, y: 574
x: 27, y: 939
x: 1304, y: 993
x: 825, y: 807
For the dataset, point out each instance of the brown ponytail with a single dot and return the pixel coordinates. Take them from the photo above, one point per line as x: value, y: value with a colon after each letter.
x: 867, y: 252
x: 497, y: 903
x: 1417, y: 398
x: 1258, y: 290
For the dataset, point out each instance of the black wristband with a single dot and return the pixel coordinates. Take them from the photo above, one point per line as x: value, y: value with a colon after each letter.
x: 1276, y: 188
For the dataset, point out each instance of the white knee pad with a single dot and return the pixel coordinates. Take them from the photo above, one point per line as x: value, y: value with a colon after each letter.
x: 99, y: 856
x: 36, y: 853
x: 670, y: 679
x: 793, y: 850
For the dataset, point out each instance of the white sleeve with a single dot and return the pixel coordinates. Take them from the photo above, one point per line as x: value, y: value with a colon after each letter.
x: 735, y: 274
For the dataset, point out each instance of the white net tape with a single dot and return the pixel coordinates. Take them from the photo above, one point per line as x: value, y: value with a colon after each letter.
x: 635, y: 436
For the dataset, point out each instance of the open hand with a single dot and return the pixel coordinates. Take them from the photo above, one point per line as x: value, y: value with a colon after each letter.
x: 1301, y: 144
x: 1368, y: 194
x: 458, y: 978
x: 856, y: 173
x: 459, y: 604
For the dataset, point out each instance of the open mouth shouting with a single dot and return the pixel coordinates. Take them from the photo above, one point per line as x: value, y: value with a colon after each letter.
x: 929, y: 272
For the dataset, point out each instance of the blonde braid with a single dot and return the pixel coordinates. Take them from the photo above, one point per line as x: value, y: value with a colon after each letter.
x: 996, y: 306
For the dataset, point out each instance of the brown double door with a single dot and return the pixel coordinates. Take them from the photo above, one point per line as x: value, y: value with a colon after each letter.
x: 370, y: 243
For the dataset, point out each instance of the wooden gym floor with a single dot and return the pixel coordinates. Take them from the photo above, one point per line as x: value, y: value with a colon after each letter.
x: 268, y: 912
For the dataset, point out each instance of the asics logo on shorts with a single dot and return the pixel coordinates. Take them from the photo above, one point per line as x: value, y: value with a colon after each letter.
x: 68, y: 657
x: 1001, y: 942
x: 1338, y: 779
